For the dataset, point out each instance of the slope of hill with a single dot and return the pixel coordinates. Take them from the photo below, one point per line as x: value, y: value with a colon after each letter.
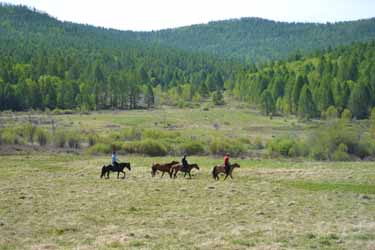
x: 257, y: 40
x: 45, y: 63
x: 325, y: 84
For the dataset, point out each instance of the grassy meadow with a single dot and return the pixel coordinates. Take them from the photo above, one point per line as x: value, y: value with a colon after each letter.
x: 55, y: 199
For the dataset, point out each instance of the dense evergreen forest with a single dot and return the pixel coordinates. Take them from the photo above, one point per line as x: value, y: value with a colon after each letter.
x: 45, y: 63
x: 325, y: 84
x: 260, y: 40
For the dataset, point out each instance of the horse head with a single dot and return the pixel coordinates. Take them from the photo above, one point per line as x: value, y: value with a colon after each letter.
x: 173, y: 163
x: 194, y: 166
x: 235, y: 165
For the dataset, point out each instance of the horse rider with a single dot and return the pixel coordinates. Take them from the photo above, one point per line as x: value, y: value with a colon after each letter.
x: 184, y: 164
x: 226, y: 163
x: 114, y: 158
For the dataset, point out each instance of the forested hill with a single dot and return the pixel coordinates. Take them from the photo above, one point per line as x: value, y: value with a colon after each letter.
x: 45, y: 63
x: 257, y: 40
x: 340, y: 81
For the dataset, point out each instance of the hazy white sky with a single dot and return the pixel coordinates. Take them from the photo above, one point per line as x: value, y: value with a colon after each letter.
x: 160, y: 14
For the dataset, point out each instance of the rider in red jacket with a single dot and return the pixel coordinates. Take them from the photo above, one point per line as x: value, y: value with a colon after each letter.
x: 226, y: 163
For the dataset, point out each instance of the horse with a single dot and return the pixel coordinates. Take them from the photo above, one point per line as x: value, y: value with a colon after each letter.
x: 163, y: 168
x: 179, y: 167
x: 221, y: 169
x: 115, y: 168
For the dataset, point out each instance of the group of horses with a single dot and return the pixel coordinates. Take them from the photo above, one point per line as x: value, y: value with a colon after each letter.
x: 172, y: 168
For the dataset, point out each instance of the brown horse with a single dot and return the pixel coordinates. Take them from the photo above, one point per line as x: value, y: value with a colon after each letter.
x: 163, y: 168
x: 221, y: 169
x: 179, y: 167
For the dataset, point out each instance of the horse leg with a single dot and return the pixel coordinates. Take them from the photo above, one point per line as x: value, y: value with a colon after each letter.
x: 124, y: 174
x: 175, y: 173
x: 189, y: 174
x: 118, y: 174
x: 162, y: 174
x: 226, y: 176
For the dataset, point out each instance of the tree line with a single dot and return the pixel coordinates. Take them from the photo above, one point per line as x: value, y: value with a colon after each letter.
x: 337, y: 80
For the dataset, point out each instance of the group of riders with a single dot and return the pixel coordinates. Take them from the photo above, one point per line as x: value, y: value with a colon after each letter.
x: 184, y: 162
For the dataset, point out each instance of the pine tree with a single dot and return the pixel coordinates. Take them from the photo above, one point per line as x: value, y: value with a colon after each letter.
x: 306, y: 106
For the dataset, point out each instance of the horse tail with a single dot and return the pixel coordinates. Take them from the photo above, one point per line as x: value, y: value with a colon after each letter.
x: 214, y: 172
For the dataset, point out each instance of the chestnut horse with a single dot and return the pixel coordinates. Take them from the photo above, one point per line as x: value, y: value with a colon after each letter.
x: 163, y: 168
x: 221, y: 169
x: 179, y: 167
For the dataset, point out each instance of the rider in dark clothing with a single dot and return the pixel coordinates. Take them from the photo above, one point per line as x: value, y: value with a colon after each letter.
x: 184, y: 164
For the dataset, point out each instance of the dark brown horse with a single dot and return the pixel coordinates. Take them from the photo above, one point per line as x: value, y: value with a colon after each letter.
x: 163, y: 168
x: 119, y: 168
x: 179, y: 167
x: 221, y: 169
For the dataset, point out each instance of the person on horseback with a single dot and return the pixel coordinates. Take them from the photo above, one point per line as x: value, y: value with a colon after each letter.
x: 226, y: 163
x: 184, y: 164
x: 114, y: 158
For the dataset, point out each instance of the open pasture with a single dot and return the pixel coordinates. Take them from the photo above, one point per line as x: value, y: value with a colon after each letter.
x: 52, y: 201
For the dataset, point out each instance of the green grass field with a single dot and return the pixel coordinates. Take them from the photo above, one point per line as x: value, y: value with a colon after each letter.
x: 59, y: 202
x: 51, y: 199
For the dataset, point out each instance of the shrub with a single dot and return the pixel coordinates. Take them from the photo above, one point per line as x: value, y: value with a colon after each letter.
x: 10, y: 136
x: 159, y: 134
x: 74, y: 140
x: 346, y: 115
x: 280, y: 146
x: 147, y: 147
x: 131, y: 134
x: 365, y: 147
x: 341, y: 153
x: 60, y: 139
x: 233, y: 147
x: 42, y: 136
x: 258, y: 143
x: 29, y: 132
x: 192, y: 148
x: 298, y: 149
x: 92, y: 139
x: 101, y: 148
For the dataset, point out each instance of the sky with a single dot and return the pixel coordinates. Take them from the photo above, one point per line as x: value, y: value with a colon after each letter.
x: 147, y: 15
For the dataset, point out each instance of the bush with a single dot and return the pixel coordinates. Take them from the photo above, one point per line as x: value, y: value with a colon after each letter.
x: 131, y: 134
x: 365, y: 147
x: 341, y: 153
x: 192, y: 148
x: 10, y: 136
x: 159, y: 134
x: 298, y: 149
x: 42, y: 137
x: 92, y: 139
x: 29, y: 132
x: 60, y: 139
x: 147, y: 147
x: 100, y: 148
x: 280, y: 146
x: 74, y: 140
x: 346, y: 115
x: 233, y: 147
x: 258, y: 143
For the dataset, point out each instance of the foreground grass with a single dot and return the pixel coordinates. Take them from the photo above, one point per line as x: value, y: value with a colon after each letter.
x: 59, y: 202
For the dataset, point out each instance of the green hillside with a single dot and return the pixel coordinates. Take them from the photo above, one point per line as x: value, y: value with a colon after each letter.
x: 45, y: 63
x: 259, y: 40
x: 335, y: 80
